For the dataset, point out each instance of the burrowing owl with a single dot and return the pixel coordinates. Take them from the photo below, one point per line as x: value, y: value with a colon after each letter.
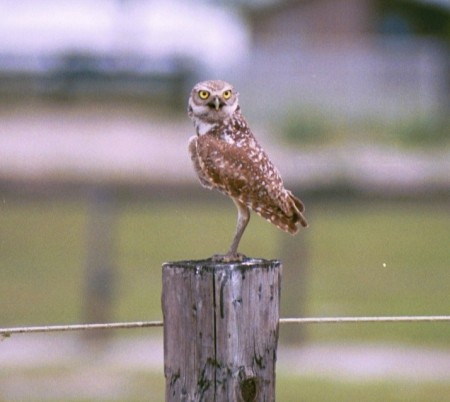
x: 227, y: 157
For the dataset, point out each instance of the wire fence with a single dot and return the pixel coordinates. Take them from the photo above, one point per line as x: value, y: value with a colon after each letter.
x: 7, y: 332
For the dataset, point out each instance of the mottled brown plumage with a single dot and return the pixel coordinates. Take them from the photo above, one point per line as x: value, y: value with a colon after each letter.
x: 227, y: 157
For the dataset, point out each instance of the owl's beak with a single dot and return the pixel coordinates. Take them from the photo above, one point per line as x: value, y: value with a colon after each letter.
x: 216, y: 103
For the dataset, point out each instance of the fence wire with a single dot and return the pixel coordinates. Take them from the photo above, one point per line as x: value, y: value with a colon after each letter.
x: 7, y: 332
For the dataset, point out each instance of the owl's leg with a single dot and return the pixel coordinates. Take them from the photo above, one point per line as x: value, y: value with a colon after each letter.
x: 242, y: 222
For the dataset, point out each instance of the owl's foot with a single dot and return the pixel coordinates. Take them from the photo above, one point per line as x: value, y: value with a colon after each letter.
x: 226, y: 258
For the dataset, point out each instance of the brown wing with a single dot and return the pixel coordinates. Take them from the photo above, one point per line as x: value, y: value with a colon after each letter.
x: 199, y: 169
x: 226, y: 167
x: 247, y: 174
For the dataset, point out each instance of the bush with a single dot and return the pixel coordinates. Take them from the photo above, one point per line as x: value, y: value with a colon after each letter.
x: 422, y: 131
x: 307, y: 127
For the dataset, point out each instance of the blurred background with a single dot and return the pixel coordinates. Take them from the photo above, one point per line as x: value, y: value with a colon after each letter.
x: 350, y: 99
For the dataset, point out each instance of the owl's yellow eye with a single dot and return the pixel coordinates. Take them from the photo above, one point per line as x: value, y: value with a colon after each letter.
x: 226, y: 94
x: 203, y: 94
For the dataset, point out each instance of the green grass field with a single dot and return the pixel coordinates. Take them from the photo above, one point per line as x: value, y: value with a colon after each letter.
x: 367, y: 258
x: 147, y: 386
x: 363, y: 259
x: 290, y: 388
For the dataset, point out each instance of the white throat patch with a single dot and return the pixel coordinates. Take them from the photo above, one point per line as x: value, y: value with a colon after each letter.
x: 203, y: 127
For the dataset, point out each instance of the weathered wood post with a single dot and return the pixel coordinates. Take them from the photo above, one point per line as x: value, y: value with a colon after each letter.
x: 101, y: 269
x: 220, y: 330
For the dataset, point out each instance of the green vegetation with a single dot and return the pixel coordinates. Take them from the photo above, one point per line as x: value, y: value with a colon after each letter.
x: 312, y: 127
x: 421, y: 131
x: 146, y: 386
x: 42, y: 262
x: 380, y: 260
x: 364, y: 259
x: 308, y: 127
x: 291, y: 388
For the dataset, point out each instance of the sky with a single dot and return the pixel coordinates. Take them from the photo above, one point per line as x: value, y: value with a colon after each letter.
x: 209, y: 34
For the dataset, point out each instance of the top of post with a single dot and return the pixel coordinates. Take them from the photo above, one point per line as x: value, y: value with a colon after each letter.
x: 209, y: 264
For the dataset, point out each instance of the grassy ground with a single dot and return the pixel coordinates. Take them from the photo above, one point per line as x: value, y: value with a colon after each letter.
x: 377, y: 259
x: 139, y: 387
x: 290, y: 388
x: 363, y: 259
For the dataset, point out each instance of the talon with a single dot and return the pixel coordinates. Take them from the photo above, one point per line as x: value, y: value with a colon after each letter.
x: 227, y: 258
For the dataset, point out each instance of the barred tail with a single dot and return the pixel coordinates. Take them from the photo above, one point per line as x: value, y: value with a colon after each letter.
x: 297, y: 214
x: 287, y: 216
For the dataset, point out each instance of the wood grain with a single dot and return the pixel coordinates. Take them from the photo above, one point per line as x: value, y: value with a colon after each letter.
x: 220, y: 330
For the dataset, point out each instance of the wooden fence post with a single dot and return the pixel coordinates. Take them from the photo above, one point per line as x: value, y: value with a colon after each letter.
x: 101, y: 269
x: 220, y: 330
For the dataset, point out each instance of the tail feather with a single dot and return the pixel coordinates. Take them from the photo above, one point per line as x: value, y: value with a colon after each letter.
x: 298, y: 203
x: 287, y: 217
x: 299, y: 208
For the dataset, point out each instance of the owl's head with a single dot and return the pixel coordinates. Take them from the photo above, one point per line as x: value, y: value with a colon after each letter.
x: 212, y: 101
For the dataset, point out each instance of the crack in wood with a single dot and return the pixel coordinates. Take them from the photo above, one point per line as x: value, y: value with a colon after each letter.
x: 221, y: 330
